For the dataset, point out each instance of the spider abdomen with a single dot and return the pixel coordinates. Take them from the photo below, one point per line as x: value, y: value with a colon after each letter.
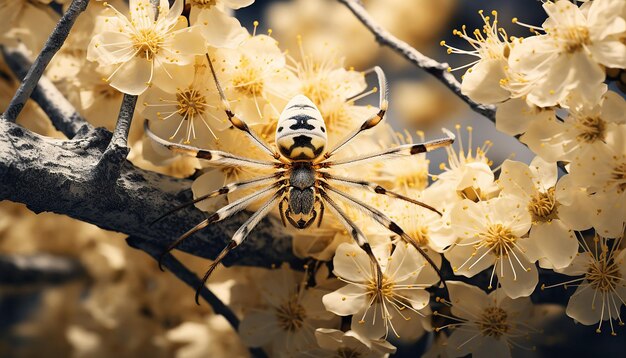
x: 301, y: 200
x: 301, y: 132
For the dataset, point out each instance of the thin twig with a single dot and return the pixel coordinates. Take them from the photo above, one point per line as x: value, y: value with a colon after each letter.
x: 117, y: 150
x: 52, y: 46
x: 193, y: 281
x: 438, y: 69
x: 62, y: 114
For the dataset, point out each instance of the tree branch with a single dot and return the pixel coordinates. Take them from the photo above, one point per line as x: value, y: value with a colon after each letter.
x: 52, y: 46
x: 188, y: 277
x: 436, y: 69
x: 38, y: 269
x: 59, y: 176
x: 62, y: 114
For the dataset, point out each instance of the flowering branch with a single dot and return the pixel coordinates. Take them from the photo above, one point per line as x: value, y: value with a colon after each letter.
x: 188, y: 277
x: 63, y: 177
x: 438, y: 69
x: 52, y: 46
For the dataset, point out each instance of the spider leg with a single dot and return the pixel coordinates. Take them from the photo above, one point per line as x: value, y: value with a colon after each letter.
x: 281, y: 210
x: 374, y: 188
x: 373, y: 120
x: 360, y: 95
x: 213, y: 156
x: 236, y: 122
x: 356, y: 234
x: 319, y: 221
x: 290, y: 219
x: 241, y: 234
x: 221, y: 214
x: 385, y: 221
x: 392, y: 153
x: 226, y: 189
x: 311, y: 220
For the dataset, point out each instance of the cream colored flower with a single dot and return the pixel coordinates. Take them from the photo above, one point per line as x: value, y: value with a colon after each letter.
x: 516, y: 115
x: 254, y: 76
x: 568, y: 58
x: 601, y: 289
x: 406, y: 175
x: 536, y: 187
x: 492, y: 46
x: 193, y: 114
x: 603, y: 173
x: 491, y: 233
x: 146, y: 51
x: 426, y: 227
x: 376, y: 310
x: 351, y: 344
x: 290, y: 317
x: 485, y: 325
x: 585, y: 129
x: 468, y: 174
x: 216, y: 25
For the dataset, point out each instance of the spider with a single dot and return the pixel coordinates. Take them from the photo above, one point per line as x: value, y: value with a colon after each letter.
x: 302, y: 184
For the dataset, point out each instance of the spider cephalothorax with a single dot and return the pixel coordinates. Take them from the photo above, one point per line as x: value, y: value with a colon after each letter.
x: 302, y: 184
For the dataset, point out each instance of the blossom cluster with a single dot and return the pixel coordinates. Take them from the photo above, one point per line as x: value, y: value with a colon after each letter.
x: 496, y: 226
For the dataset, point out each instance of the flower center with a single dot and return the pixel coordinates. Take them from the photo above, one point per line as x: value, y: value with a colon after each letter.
x: 345, y: 352
x: 542, y: 206
x: 317, y: 89
x: 386, y: 289
x: 420, y: 234
x: 290, y: 315
x: 204, y: 4
x: 499, y: 239
x: 575, y: 38
x: 591, y: 129
x: 413, y: 179
x: 604, y: 274
x: 248, y: 80
x: 619, y: 175
x: 147, y: 42
x: 472, y: 193
x: 493, y: 322
x: 190, y: 103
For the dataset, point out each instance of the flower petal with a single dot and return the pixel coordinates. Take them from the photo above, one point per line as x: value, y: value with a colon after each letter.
x: 133, y: 77
x: 369, y: 322
x: 108, y: 48
x: 347, y: 300
x: 467, y: 301
x: 517, y: 280
x: 219, y: 29
x: 557, y: 243
x: 258, y: 329
x: 352, y: 263
x: 482, y: 82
